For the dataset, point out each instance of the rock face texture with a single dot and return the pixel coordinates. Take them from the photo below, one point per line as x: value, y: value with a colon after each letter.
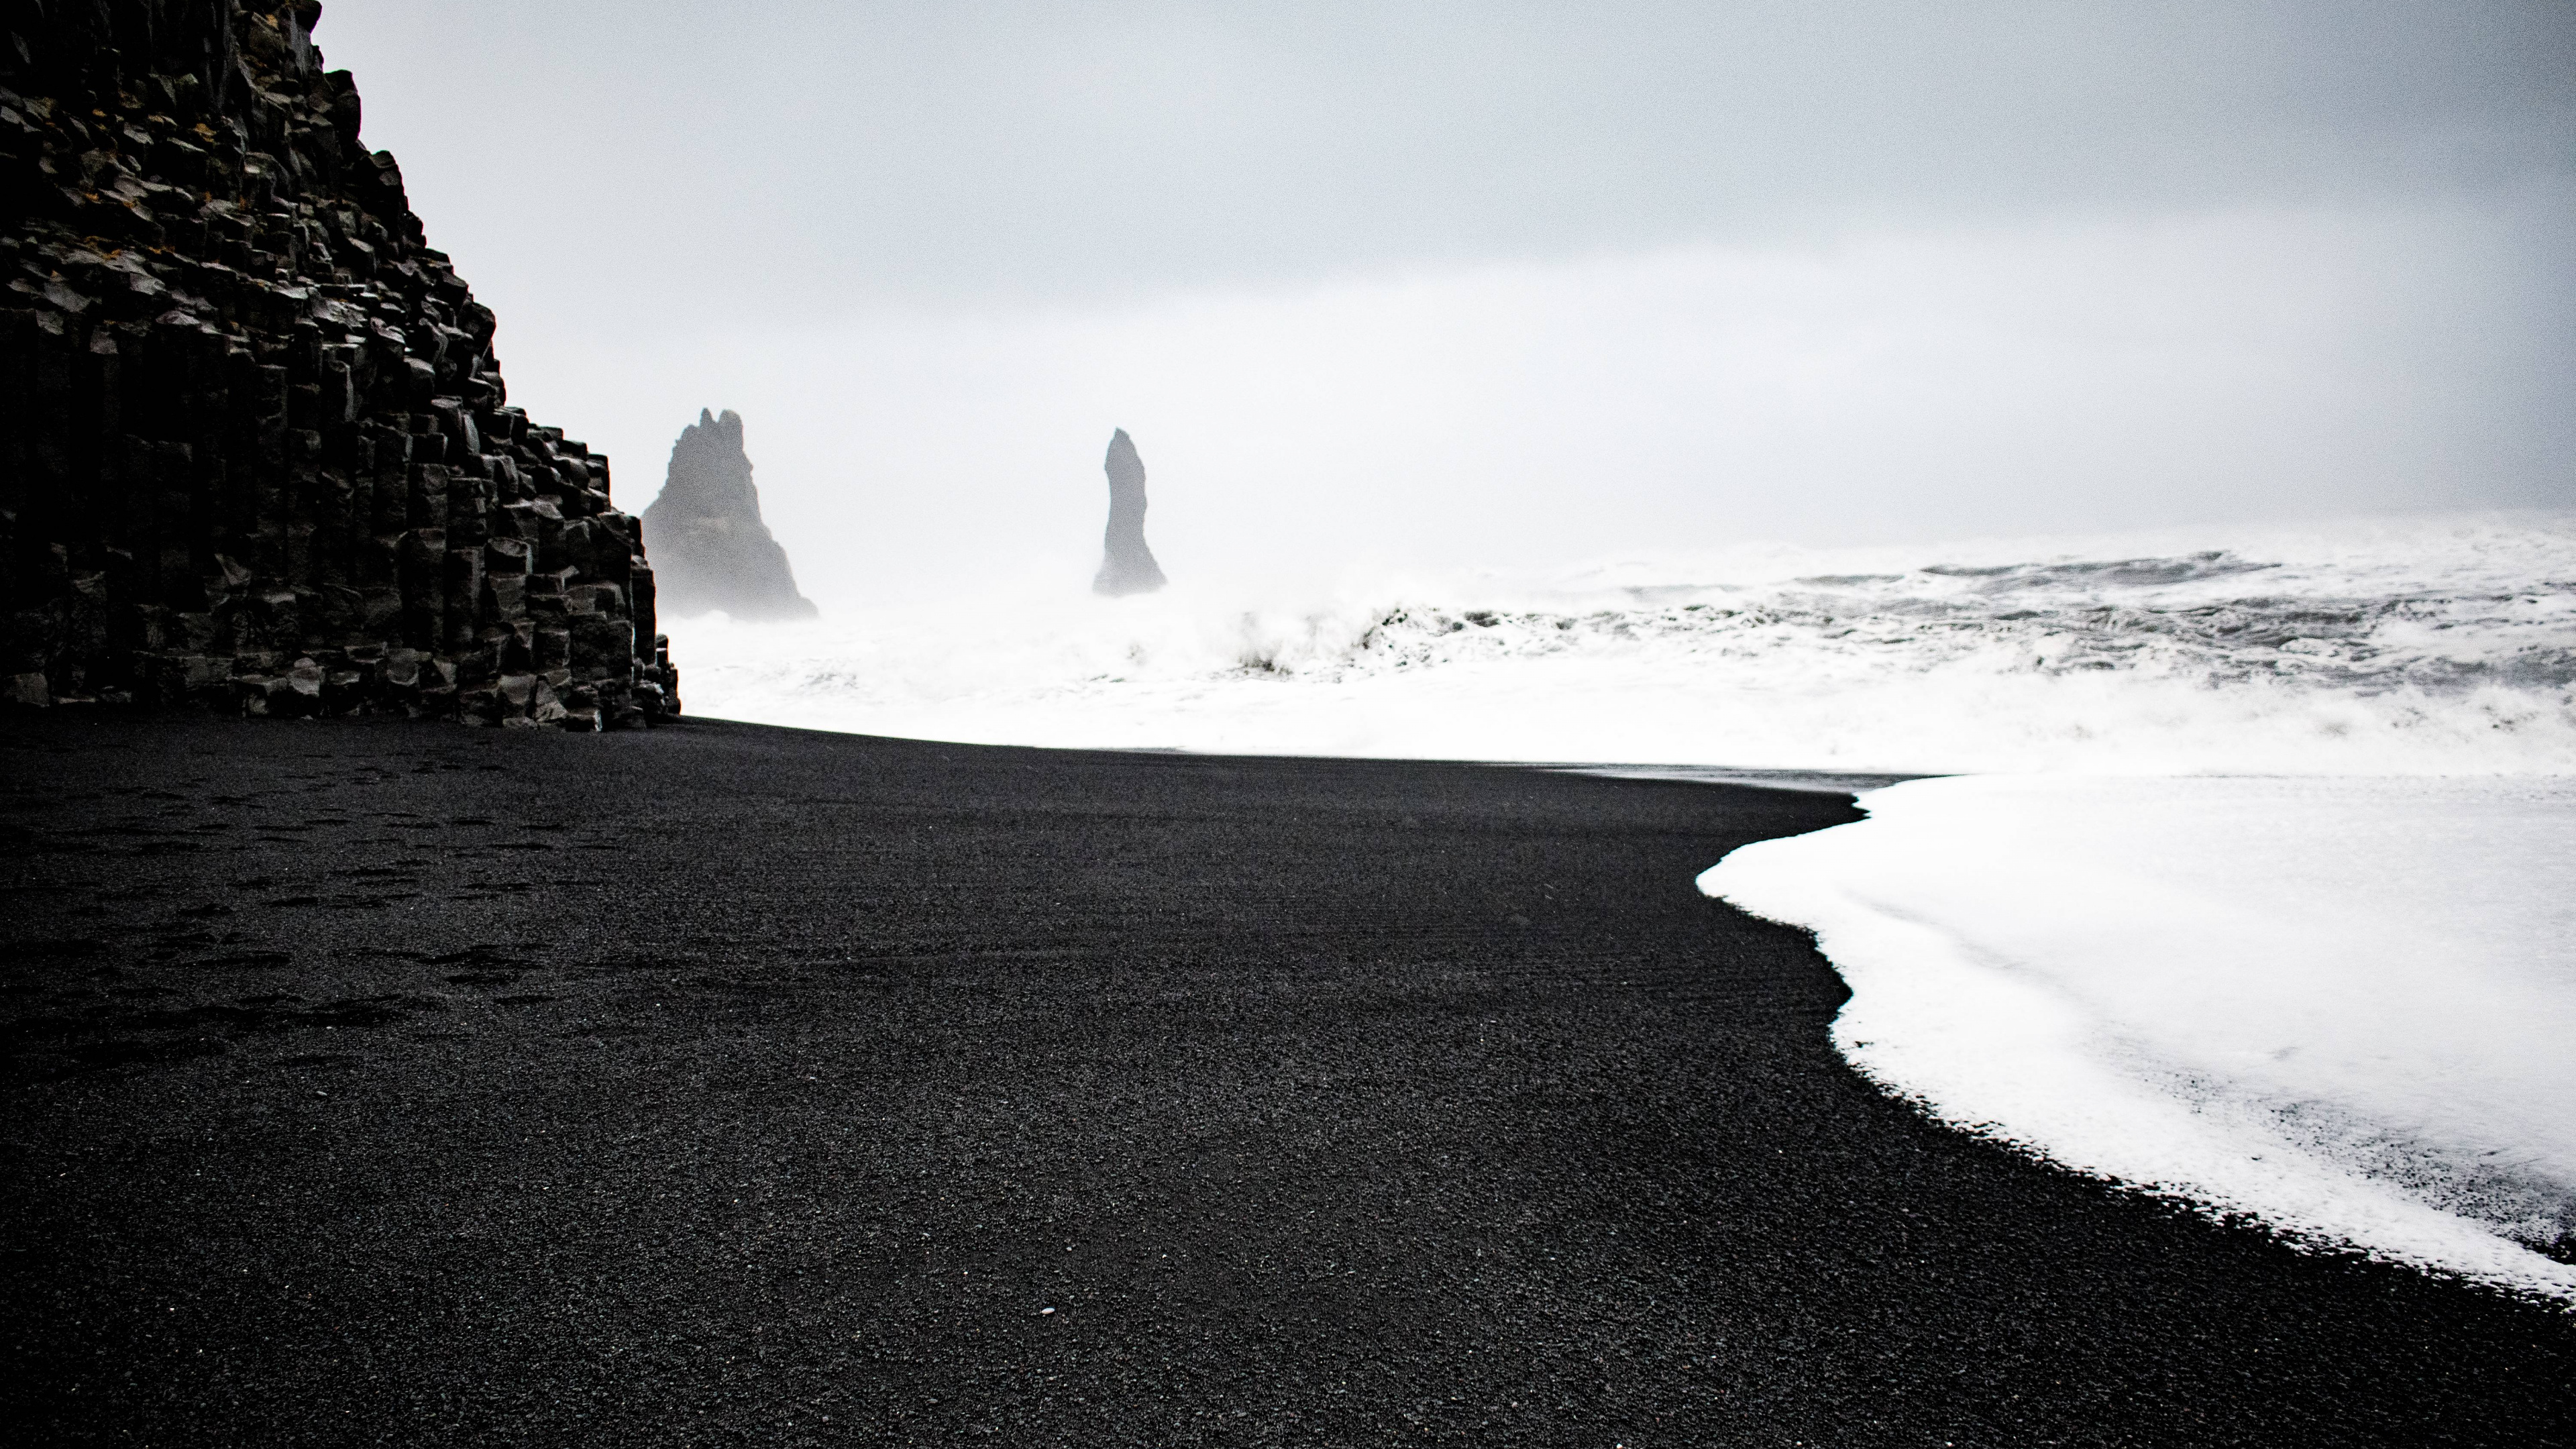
x: 255, y: 451
x: 1126, y: 565
x: 713, y: 548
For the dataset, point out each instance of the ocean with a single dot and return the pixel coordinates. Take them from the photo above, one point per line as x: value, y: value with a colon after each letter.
x: 2248, y: 883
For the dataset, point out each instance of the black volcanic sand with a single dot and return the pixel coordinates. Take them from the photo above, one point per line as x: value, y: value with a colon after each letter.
x: 727, y: 1084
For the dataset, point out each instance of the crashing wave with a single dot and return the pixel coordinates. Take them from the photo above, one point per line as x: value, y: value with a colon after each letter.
x: 2430, y: 646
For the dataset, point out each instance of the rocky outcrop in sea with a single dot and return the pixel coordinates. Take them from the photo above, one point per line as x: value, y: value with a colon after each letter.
x: 255, y: 450
x: 1126, y: 565
x: 713, y: 549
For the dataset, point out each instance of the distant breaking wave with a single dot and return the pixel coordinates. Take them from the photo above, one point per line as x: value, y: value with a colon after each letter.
x: 2420, y: 646
x: 2056, y: 618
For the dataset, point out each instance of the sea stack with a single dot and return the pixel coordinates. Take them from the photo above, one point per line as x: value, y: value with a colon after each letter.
x: 1126, y: 565
x: 710, y: 547
x: 255, y: 452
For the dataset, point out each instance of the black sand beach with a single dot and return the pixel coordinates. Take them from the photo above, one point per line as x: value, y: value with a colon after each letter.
x: 372, y: 1081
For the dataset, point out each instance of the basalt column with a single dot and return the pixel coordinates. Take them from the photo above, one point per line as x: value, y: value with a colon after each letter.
x: 1126, y: 566
x: 255, y: 450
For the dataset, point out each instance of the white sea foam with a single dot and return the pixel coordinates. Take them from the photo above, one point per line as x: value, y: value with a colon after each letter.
x: 2260, y: 898
x: 2340, y: 1006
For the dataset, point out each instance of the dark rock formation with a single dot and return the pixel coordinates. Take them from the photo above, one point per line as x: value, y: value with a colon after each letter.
x: 713, y: 549
x: 1126, y: 565
x: 254, y: 447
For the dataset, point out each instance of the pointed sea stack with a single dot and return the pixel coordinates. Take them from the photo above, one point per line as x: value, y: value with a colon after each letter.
x: 255, y: 452
x: 710, y: 547
x: 1126, y: 565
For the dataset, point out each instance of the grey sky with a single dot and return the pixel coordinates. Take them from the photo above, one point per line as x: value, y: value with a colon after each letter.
x: 795, y: 154
x: 1812, y: 270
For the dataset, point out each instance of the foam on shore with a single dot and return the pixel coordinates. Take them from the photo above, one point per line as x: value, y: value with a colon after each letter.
x: 2341, y: 1007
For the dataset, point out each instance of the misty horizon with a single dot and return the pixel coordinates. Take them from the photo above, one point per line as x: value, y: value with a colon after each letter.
x: 1464, y: 286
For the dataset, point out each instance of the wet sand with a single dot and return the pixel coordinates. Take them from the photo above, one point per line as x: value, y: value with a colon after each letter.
x: 730, y: 1084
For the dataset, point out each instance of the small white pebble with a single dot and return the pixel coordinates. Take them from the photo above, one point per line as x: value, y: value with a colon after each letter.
x: 1043, y: 1312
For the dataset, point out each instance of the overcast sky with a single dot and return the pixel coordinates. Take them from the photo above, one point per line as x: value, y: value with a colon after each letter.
x: 1449, y: 282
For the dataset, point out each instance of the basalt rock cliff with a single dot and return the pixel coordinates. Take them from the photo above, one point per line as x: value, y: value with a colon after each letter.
x: 255, y: 451
x: 713, y: 548
x: 1126, y: 565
